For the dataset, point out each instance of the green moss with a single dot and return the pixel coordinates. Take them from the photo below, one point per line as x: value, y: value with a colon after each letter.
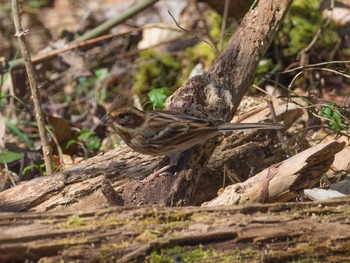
x: 175, y: 217
x: 113, y: 246
x: 305, y: 260
x: 300, y: 27
x: 215, y: 21
x: 156, y: 70
x: 164, y: 220
x: 49, y: 260
x: 74, y: 221
x: 106, y: 257
x: 180, y: 254
x: 202, y: 254
x: 111, y: 221
x: 147, y: 235
x: 200, y: 53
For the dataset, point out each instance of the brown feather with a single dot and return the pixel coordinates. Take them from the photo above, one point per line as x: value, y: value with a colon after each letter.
x: 163, y: 132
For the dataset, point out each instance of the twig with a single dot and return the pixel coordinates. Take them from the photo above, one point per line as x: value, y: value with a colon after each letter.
x: 319, y: 31
x: 312, y: 66
x: 59, y: 148
x: 9, y: 174
x: 205, y: 23
x: 53, y: 53
x: 91, y: 34
x: 340, y: 133
x: 223, y: 25
x: 335, y: 49
x: 321, y: 69
x: 33, y: 86
x: 192, y: 33
x: 103, y: 28
x: 274, y: 119
x: 253, y: 5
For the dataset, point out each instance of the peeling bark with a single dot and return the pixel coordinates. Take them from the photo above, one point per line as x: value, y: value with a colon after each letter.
x: 254, y: 233
x: 283, y: 181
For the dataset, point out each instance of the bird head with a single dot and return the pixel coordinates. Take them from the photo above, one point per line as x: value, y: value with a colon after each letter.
x: 122, y: 113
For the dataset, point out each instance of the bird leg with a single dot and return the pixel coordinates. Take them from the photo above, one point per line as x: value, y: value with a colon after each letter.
x: 173, y: 160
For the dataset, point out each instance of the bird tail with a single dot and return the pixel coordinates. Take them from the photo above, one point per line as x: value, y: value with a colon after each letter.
x: 247, y: 126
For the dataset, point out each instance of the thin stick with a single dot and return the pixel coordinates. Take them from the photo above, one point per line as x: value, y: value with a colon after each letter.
x: 223, y: 25
x: 274, y: 119
x: 103, y: 28
x: 94, y: 32
x: 33, y: 86
x: 320, y: 30
x: 192, y: 33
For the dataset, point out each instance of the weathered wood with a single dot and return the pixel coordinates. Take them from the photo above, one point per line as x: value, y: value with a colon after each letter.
x: 113, y: 178
x: 254, y: 233
x: 283, y: 181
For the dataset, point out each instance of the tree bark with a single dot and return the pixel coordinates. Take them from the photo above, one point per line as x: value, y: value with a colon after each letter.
x: 256, y: 233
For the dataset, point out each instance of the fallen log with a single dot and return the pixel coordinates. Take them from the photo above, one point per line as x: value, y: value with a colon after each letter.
x: 252, y: 233
x: 283, y: 181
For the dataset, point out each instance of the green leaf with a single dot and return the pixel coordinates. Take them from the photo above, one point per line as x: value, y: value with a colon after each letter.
x: 93, y: 143
x: 19, y: 133
x: 2, y: 97
x: 90, y: 139
x: 83, y: 81
x: 37, y: 4
x: 85, y: 134
x: 101, y: 73
x: 30, y: 167
x: 265, y: 65
x: 332, y: 112
x: 10, y: 156
x: 159, y: 96
x: 67, y: 144
x: 335, y: 126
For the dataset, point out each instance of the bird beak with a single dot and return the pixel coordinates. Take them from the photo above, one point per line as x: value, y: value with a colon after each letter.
x: 107, y: 119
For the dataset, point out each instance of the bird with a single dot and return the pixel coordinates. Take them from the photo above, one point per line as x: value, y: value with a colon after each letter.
x: 165, y: 133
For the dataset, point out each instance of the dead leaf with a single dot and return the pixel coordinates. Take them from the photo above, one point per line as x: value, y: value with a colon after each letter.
x: 76, y: 63
x: 62, y: 129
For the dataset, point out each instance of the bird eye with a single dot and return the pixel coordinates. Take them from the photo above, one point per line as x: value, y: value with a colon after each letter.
x: 122, y: 116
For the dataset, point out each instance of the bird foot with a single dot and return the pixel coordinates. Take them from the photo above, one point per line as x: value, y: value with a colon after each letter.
x: 155, y: 175
x: 171, y: 160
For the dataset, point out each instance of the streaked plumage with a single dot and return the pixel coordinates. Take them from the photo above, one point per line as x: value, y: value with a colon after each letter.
x: 164, y: 132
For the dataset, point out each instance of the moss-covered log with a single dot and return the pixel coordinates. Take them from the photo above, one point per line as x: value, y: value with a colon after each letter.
x: 254, y: 233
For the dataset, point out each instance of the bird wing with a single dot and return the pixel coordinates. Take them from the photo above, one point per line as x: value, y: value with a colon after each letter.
x: 167, y: 128
x: 164, y: 128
